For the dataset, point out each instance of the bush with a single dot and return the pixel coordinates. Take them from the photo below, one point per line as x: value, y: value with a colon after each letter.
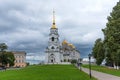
x: 73, y: 61
x: 65, y: 60
x: 27, y: 63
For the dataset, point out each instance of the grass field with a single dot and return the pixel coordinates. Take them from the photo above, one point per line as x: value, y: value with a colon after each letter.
x: 104, y: 69
x: 45, y: 72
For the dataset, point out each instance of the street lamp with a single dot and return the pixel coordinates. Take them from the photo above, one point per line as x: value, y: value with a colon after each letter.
x: 89, y: 55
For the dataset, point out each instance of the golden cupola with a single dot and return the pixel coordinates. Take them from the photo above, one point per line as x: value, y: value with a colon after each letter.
x: 64, y: 42
x: 53, y: 25
x: 71, y: 45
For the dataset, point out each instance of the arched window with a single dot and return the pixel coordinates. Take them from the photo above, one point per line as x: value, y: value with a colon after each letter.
x: 52, y: 38
x: 52, y: 47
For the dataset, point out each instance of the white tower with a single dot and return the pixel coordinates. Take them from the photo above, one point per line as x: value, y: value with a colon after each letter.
x: 53, y: 49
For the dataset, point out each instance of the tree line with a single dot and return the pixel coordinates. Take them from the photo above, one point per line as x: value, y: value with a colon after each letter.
x: 6, y: 58
x: 109, y: 48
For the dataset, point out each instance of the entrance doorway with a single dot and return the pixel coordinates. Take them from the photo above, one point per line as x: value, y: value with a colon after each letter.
x: 52, y: 61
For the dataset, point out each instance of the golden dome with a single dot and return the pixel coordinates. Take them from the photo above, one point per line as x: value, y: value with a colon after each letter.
x: 53, y: 26
x: 71, y: 45
x: 64, y: 42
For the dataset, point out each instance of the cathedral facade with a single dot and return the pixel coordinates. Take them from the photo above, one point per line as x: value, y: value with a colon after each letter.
x: 57, y: 52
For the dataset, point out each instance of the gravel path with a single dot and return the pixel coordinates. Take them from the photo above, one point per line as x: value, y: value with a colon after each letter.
x: 100, y: 75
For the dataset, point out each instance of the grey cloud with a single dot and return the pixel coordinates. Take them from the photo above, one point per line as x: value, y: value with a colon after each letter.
x: 29, y: 47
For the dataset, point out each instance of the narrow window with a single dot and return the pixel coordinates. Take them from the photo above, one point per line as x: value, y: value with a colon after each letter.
x: 52, y: 38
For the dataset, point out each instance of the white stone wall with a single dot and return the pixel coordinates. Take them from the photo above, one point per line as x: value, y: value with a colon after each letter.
x: 57, y: 57
x: 46, y: 58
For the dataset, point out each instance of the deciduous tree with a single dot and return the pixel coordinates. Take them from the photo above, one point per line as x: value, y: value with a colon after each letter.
x: 5, y: 56
x: 98, y: 51
x: 112, y: 36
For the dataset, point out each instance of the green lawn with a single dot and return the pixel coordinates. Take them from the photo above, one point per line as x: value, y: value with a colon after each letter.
x: 45, y: 72
x: 104, y: 69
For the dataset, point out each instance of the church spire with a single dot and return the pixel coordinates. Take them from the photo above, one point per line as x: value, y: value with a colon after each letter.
x: 53, y: 25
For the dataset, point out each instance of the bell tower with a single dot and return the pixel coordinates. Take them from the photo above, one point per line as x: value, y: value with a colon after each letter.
x: 53, y: 49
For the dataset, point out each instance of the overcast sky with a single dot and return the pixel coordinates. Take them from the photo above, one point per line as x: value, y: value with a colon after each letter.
x: 25, y: 24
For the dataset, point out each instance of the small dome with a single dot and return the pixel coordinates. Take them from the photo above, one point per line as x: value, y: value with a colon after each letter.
x: 71, y: 45
x: 64, y: 42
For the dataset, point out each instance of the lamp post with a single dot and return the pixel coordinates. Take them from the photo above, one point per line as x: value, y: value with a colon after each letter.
x: 89, y: 55
x: 79, y: 63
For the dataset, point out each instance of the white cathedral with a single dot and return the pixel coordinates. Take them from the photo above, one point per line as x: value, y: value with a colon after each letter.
x: 56, y: 52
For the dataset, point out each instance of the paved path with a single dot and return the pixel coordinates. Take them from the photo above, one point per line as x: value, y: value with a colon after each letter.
x: 100, y: 75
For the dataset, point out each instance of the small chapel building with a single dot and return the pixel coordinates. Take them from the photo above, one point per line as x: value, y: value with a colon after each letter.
x: 56, y: 52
